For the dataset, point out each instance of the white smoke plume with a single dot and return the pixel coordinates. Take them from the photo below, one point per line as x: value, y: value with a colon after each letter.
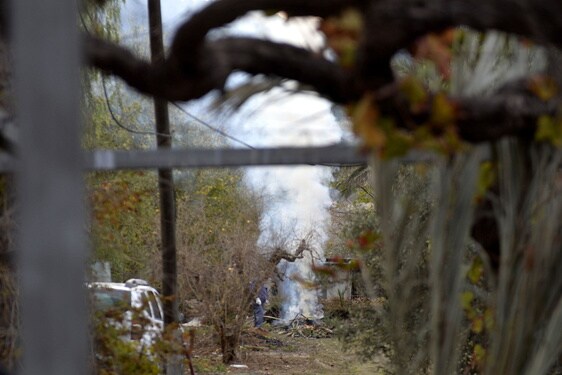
x: 298, y: 197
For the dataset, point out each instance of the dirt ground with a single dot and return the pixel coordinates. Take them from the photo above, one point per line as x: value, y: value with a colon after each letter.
x: 270, y: 351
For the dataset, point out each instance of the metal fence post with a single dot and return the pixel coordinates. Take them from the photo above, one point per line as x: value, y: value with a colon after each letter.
x: 52, y: 247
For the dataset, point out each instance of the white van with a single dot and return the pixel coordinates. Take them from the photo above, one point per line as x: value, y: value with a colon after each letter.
x: 142, y: 316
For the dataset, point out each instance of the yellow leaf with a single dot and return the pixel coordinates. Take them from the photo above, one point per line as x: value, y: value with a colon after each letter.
x: 545, y: 88
x: 476, y: 271
x: 414, y: 91
x: 452, y: 140
x: 479, y: 354
x: 466, y: 300
x: 342, y: 35
x: 346, y: 48
x: 486, y: 178
x: 489, y: 318
x: 351, y: 20
x: 398, y: 144
x: 443, y: 110
x: 549, y: 130
x: 477, y: 325
x: 365, y: 116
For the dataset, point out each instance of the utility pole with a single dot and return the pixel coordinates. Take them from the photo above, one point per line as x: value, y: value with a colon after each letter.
x: 165, y: 186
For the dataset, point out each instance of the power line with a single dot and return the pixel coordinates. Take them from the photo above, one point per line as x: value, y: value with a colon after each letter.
x: 107, y: 101
x: 211, y: 127
x: 117, y: 122
x: 199, y: 120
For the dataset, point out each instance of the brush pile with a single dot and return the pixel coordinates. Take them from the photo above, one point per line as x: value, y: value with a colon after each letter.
x: 302, y: 326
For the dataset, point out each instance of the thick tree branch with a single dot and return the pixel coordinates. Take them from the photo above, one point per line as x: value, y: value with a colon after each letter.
x: 113, y: 59
x: 539, y: 20
x: 389, y: 27
x: 220, y: 59
x: 488, y: 119
x: 284, y: 60
x: 394, y: 25
x: 197, y: 65
x: 191, y: 35
x: 512, y: 112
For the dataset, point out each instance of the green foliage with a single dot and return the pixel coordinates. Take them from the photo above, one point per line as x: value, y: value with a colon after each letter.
x: 549, y: 129
x: 361, y: 332
x: 368, y: 331
x: 124, y: 224
x: 415, y: 92
x: 124, y: 212
x: 545, y: 88
x: 431, y: 115
x: 343, y: 34
x: 103, y: 20
x: 486, y: 179
x: 101, y: 130
x: 115, y: 355
x: 353, y: 213
x: 207, y: 365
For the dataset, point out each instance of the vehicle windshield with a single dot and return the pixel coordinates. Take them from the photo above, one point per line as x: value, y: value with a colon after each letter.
x: 106, y: 299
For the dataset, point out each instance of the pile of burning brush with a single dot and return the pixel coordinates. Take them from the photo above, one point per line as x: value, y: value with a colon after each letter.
x: 302, y: 326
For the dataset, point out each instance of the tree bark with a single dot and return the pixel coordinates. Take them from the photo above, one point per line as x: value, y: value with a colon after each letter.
x: 229, y: 341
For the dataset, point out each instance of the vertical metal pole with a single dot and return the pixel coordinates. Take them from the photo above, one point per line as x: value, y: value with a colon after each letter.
x: 165, y: 188
x: 52, y: 245
x: 165, y: 177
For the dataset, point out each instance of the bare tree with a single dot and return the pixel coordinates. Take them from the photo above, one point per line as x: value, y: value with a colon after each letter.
x: 220, y: 265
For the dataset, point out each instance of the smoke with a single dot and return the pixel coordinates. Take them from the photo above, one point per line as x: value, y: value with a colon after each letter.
x: 297, y: 197
x: 298, y: 210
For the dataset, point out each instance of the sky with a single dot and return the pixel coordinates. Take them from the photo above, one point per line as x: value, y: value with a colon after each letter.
x: 299, y: 197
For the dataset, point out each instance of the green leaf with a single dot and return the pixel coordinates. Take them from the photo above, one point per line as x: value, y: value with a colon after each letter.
x: 365, y: 116
x: 477, y: 324
x: 443, y: 110
x: 479, y: 354
x: 351, y: 21
x: 545, y: 88
x: 398, y: 144
x: 414, y: 91
x: 486, y: 178
x: 489, y: 319
x: 476, y: 271
x: 549, y: 129
x: 466, y: 300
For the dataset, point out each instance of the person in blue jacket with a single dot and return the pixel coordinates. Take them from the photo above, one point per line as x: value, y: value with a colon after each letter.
x: 259, y: 308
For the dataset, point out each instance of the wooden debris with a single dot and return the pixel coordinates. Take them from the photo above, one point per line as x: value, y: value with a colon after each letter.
x: 302, y: 326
